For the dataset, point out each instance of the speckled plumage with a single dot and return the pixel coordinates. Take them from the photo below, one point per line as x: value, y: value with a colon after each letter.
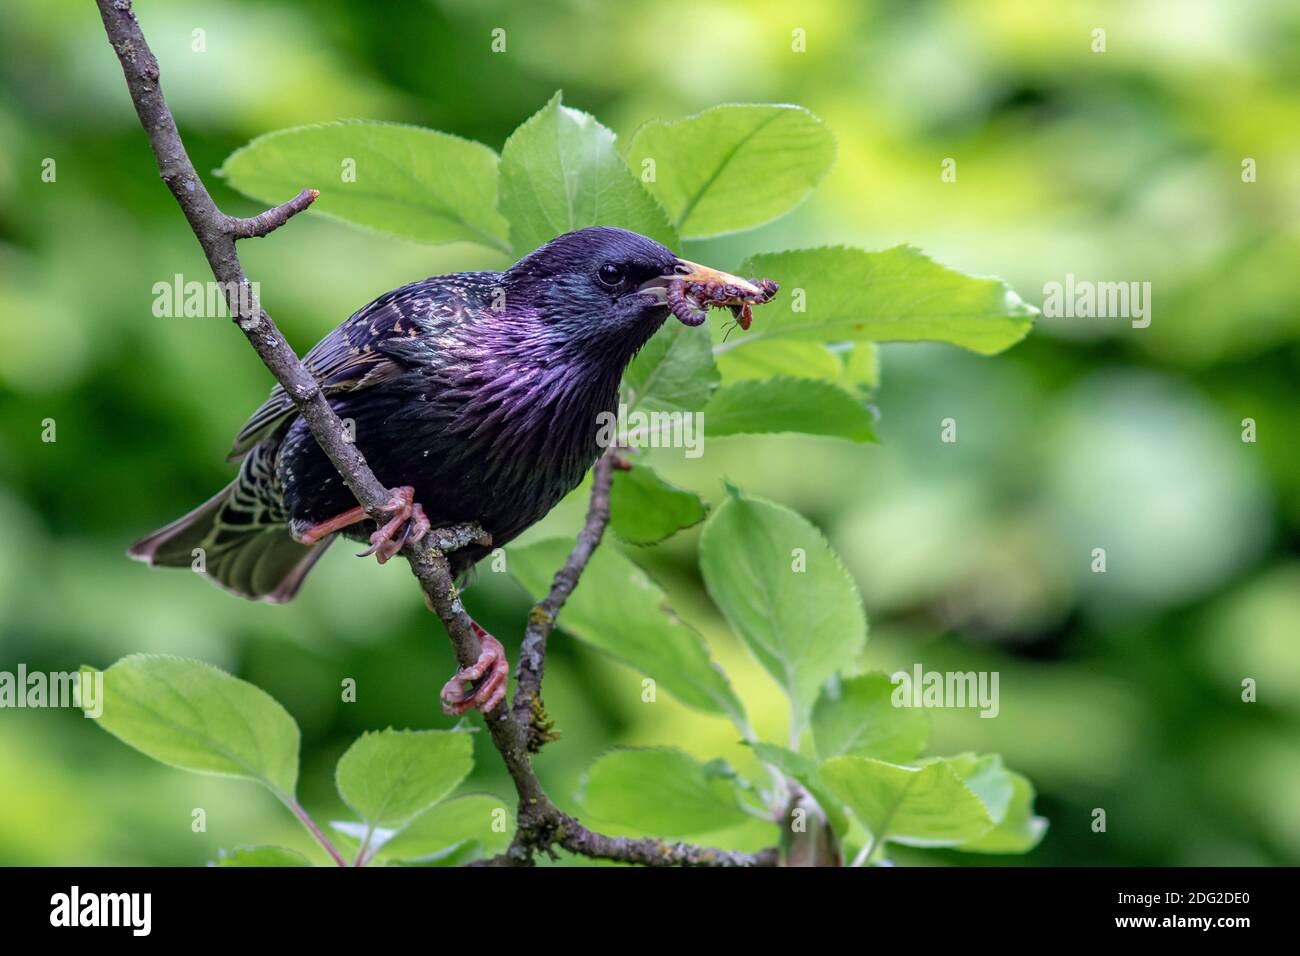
x: 480, y: 390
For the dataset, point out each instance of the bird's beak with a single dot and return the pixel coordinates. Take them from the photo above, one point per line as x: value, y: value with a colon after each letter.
x: 694, y: 272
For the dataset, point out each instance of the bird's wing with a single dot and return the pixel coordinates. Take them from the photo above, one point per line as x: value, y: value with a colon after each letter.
x: 360, y: 353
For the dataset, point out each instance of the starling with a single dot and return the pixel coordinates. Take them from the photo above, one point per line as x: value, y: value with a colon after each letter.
x: 474, y: 396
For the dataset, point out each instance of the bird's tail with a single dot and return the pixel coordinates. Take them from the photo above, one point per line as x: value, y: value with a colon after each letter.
x: 226, y: 543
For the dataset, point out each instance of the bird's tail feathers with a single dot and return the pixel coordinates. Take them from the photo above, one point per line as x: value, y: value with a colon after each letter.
x: 226, y: 543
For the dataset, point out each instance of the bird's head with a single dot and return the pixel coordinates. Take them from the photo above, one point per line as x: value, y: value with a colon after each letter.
x: 601, y: 289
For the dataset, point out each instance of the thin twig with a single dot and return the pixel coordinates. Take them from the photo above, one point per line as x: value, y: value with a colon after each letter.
x: 272, y: 219
x: 541, y: 620
x: 541, y: 825
x: 646, y: 851
x: 651, y: 852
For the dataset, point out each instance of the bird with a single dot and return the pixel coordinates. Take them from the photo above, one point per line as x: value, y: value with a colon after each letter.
x: 474, y: 397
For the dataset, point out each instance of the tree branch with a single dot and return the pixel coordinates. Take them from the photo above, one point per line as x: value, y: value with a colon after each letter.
x: 651, y: 852
x: 541, y: 825
x: 541, y: 620
x: 272, y: 219
x: 564, y: 831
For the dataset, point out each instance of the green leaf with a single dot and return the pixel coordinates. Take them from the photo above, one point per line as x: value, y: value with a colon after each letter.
x: 673, y: 372
x: 918, y: 806
x: 774, y: 358
x: 261, y: 856
x: 861, y: 365
x: 389, y: 776
x: 733, y: 167
x: 410, y: 182
x: 898, y: 295
x: 801, y: 625
x: 1009, y: 798
x: 787, y: 405
x: 854, y: 366
x: 986, y: 778
x: 859, y: 718
x: 560, y: 172
x: 476, y: 818
x: 638, y: 627
x: 191, y: 715
x: 1020, y: 829
x: 645, y: 509
x: 785, y: 760
x: 661, y: 790
x: 805, y: 771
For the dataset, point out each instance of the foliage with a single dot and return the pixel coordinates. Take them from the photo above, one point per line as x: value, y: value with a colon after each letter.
x: 1119, y: 690
x: 776, y: 579
x: 194, y: 716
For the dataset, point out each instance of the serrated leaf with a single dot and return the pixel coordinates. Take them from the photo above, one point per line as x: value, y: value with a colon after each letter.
x: 645, y: 509
x: 1009, y: 798
x: 389, y: 776
x: 1020, y: 830
x: 774, y: 405
x: 475, y: 818
x: 638, y: 627
x: 858, y: 717
x: 258, y: 856
x: 405, y: 180
x: 898, y: 295
x: 854, y: 366
x: 773, y: 358
x: 986, y: 778
x: 917, y: 806
x: 660, y: 790
x: 190, y: 715
x: 560, y: 171
x: 801, y: 625
x: 733, y: 167
x: 673, y: 372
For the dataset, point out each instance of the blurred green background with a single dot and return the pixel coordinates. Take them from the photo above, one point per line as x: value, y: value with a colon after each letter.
x: 1118, y: 690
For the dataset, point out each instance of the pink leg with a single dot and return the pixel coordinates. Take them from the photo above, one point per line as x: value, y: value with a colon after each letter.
x: 337, y: 523
x: 408, y: 521
x: 487, y: 677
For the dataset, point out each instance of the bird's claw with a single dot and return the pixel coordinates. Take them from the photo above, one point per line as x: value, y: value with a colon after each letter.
x: 408, y: 522
x: 487, y: 677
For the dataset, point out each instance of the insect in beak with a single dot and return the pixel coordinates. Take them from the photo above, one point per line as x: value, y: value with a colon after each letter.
x: 693, y: 272
x: 693, y: 288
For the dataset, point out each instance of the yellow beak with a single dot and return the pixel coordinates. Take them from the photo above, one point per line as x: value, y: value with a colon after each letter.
x: 694, y: 272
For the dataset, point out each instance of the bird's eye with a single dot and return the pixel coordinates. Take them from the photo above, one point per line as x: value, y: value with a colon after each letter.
x: 610, y: 274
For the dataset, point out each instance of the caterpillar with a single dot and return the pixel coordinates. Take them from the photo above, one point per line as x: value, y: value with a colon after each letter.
x: 690, y: 300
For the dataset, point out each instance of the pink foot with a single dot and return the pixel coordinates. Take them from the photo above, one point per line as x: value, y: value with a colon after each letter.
x: 408, y: 521
x: 487, y: 677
